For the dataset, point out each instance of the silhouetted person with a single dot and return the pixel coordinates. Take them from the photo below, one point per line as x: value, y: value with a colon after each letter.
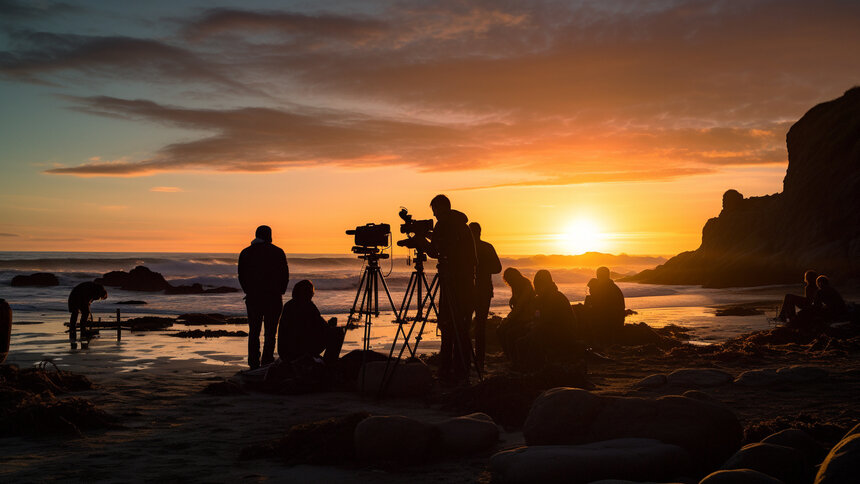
x: 488, y: 264
x: 605, y: 306
x: 303, y: 330
x: 830, y: 302
x: 791, y: 302
x: 518, y: 321
x: 79, y: 303
x: 453, y: 246
x: 263, y: 275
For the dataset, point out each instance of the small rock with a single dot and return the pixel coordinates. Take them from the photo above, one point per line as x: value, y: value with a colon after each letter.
x: 757, y: 378
x: 800, y: 374
x: 651, y: 381
x: 739, y: 476
x: 393, y: 438
x: 408, y: 379
x: 800, y: 441
x: 784, y: 463
x: 468, y: 434
x: 842, y: 464
x: 634, y: 459
x: 39, y: 279
x: 703, y: 377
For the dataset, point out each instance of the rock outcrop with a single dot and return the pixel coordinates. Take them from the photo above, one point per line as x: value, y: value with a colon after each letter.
x: 39, y: 279
x: 814, y: 223
x: 143, y: 279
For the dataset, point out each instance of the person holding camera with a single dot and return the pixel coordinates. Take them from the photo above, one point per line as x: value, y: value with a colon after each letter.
x: 452, y: 244
x: 263, y: 275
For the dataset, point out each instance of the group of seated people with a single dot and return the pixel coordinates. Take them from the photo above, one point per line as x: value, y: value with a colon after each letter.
x: 820, y: 302
x: 542, y: 325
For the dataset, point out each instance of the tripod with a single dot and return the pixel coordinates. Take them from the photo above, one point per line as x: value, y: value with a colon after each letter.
x: 368, y: 291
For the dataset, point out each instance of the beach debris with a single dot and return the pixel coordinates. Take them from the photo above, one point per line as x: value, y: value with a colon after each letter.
x: 635, y: 459
x: 201, y: 319
x: 328, y: 441
x: 131, y: 302
x: 739, y: 476
x: 784, y: 463
x: 146, y: 323
x: 705, y: 429
x: 29, y: 405
x: 209, y: 333
x: 507, y: 397
x: 842, y: 464
x: 394, y: 439
x: 468, y: 434
x: 39, y: 279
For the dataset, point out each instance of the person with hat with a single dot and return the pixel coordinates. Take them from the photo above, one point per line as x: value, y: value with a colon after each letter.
x: 263, y: 275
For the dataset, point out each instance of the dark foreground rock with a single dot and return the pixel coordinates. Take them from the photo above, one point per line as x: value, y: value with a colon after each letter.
x: 739, y: 476
x: 784, y: 463
x: 39, y: 279
x: 813, y: 223
x: 842, y: 464
x: 633, y: 459
x: 138, y: 279
x: 205, y: 319
x: 394, y: 439
x: 801, y: 441
x: 468, y: 434
x: 29, y: 405
x: 404, y: 379
x: 708, y: 431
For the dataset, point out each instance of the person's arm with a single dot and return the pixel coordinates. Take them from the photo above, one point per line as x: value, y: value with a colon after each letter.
x: 243, y: 271
x: 285, y: 272
x: 494, y: 265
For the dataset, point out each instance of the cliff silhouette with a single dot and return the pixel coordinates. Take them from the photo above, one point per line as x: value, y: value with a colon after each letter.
x: 814, y: 223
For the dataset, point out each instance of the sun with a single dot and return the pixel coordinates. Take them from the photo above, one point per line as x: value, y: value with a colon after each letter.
x: 580, y: 236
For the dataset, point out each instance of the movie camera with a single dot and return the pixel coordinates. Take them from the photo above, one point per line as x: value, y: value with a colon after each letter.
x: 415, y: 230
x: 370, y: 238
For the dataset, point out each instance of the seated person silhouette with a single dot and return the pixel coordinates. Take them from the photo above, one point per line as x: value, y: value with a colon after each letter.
x: 791, y: 302
x: 553, y: 334
x: 517, y: 323
x: 303, y: 331
x: 604, y: 306
x: 828, y: 301
x: 79, y: 303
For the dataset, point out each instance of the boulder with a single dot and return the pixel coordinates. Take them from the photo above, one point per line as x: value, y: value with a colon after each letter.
x: 5, y: 329
x: 707, y: 430
x: 138, y: 279
x: 39, y: 279
x: 112, y: 279
x: 651, y: 381
x: 633, y: 459
x: 407, y: 379
x: 739, y: 476
x: 757, y: 378
x: 799, y: 440
x: 394, y: 438
x: 700, y: 377
x: 783, y: 463
x: 842, y: 464
x: 800, y: 374
x: 755, y: 241
x: 468, y: 434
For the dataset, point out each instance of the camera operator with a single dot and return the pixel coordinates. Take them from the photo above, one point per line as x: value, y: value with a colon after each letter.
x: 452, y: 244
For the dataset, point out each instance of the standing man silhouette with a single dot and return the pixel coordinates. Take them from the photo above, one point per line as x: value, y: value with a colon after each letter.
x: 263, y: 275
x: 488, y: 264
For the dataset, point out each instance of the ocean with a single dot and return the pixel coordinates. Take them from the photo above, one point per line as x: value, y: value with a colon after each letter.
x: 40, y: 313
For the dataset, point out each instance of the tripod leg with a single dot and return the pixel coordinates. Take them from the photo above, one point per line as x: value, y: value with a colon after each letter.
x: 358, y: 292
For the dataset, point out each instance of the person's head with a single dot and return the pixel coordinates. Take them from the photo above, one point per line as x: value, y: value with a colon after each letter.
x: 440, y: 206
x: 475, y: 227
x: 603, y: 273
x: 516, y: 280
x: 543, y: 282
x: 303, y: 290
x: 809, y: 277
x: 822, y: 282
x: 102, y: 292
x: 264, y: 232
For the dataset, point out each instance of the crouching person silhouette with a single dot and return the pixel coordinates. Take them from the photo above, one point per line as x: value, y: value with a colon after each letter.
x: 303, y: 331
x: 79, y: 303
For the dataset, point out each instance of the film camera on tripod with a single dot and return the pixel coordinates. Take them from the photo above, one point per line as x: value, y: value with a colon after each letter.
x: 371, y: 239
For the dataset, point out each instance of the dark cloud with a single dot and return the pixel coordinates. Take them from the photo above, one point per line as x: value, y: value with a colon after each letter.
x: 2, y: 234
x: 42, y: 53
x: 12, y: 10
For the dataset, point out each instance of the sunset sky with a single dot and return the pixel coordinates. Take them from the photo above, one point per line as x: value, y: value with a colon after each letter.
x: 559, y: 126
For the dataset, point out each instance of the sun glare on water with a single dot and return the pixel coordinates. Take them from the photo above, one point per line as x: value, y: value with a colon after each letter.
x: 580, y: 236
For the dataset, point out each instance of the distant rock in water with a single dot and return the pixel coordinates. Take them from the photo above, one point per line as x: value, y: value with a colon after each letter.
x: 813, y: 224
x: 39, y: 279
x: 197, y: 288
x: 138, y: 279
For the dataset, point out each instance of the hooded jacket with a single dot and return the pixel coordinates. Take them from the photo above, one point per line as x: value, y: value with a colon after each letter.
x: 263, y: 269
x: 453, y: 245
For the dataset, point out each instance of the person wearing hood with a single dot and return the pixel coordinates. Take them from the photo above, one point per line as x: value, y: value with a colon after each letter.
x: 555, y: 328
x: 453, y: 246
x: 605, y: 305
x: 263, y: 275
x: 303, y: 331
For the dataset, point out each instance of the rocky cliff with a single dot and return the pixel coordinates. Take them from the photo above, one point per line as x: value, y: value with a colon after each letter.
x: 813, y: 224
